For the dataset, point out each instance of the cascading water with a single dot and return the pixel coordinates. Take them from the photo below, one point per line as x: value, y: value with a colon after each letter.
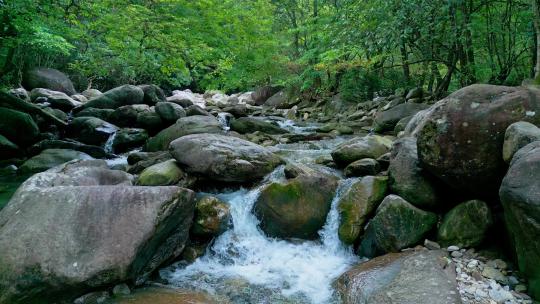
x: 249, y: 267
x: 108, y: 147
x: 225, y: 120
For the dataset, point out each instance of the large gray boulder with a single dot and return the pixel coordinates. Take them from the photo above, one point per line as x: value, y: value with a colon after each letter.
x: 517, y: 136
x: 371, y: 146
x: 170, y: 112
x: 466, y: 225
x: 183, y: 126
x: 117, y: 97
x: 421, y: 277
x: 460, y: 139
x: 396, y: 225
x: 94, y: 151
x: 50, y: 158
x: 81, y: 227
x: 520, y: 197
x: 407, y: 179
x: 261, y: 95
x: 223, y: 158
x: 90, y: 130
x: 138, y: 116
x: 57, y: 100
x: 49, y: 79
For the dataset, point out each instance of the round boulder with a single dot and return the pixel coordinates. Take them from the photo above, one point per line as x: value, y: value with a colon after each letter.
x: 49, y: 79
x: 465, y: 225
x: 212, y: 217
x: 517, y: 136
x: 371, y: 146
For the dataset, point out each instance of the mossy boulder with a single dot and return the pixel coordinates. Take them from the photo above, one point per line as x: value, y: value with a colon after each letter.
x: 357, y: 204
x: 117, y: 97
x: 49, y: 79
x: 465, y: 225
x: 245, y: 125
x: 91, y: 130
x: 212, y: 217
x: 362, y: 167
x: 129, y: 138
x: 18, y: 127
x: 387, y: 120
x: 152, y: 94
x: 162, y: 174
x: 370, y: 146
x: 8, y: 149
x: 298, y: 207
x: 396, y: 225
x: 50, y: 158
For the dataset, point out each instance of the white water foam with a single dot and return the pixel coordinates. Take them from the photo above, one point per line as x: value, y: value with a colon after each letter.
x: 299, y: 270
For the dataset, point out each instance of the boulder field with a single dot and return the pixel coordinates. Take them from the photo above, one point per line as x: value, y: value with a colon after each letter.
x: 393, y: 174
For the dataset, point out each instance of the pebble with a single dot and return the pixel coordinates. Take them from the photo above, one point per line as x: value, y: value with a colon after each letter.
x: 431, y: 245
x: 453, y: 248
x: 520, y: 288
x: 456, y: 254
x: 472, y: 264
x: 492, y: 273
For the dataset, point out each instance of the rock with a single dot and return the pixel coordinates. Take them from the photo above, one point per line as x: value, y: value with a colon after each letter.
x: 195, y: 110
x: 115, y: 98
x: 20, y: 93
x: 261, y: 95
x: 357, y: 204
x: 415, y: 93
x: 90, y: 130
x: 130, y: 116
x: 520, y: 198
x: 186, y: 98
x: 517, y: 136
x: 407, y: 179
x: 8, y: 149
x: 160, y: 295
x: 49, y: 79
x: 371, y: 146
x: 88, y: 228
x: 161, y: 174
x: 56, y: 113
x: 152, y: 94
x: 239, y: 110
x: 91, y: 93
x: 50, y: 158
x: 278, y: 100
x: 183, y: 126
x: 57, y: 100
x: 129, y: 138
x: 103, y: 114
x: 456, y: 254
x: 121, y: 289
x: 431, y: 245
x: 245, y: 125
x: 298, y: 207
x: 421, y: 277
x: 169, y: 112
x: 223, y: 158
x: 150, y: 159
x: 492, y: 273
x: 465, y: 225
x: 212, y: 217
x: 452, y: 248
x: 94, y: 151
x: 79, y: 98
x: 362, y: 167
x: 18, y: 127
x: 460, y: 139
x: 387, y: 120
x: 396, y: 225
x: 96, y: 297
x: 402, y: 124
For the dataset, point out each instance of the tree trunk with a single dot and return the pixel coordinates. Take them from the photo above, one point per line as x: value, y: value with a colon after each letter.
x: 405, y: 62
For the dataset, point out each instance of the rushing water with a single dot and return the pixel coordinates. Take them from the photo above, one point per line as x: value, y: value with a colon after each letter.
x: 248, y: 267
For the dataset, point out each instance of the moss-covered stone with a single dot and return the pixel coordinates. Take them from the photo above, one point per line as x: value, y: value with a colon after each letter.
x: 212, y: 217
x: 362, y: 167
x: 357, y: 204
x: 18, y: 127
x: 162, y: 174
x: 371, y: 146
x: 397, y: 225
x: 465, y: 225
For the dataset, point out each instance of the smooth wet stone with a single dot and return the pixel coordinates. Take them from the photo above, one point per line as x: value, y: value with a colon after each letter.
x: 362, y: 167
x: 212, y: 217
x: 422, y: 277
x: 517, y: 136
x: 161, y: 174
x: 465, y: 225
x: 50, y: 158
x: 371, y: 146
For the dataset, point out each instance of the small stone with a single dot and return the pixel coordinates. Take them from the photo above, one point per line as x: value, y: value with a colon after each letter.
x: 500, y: 264
x: 431, y: 245
x: 452, y: 248
x: 520, y: 288
x: 97, y: 297
x: 472, y: 264
x: 500, y: 295
x: 512, y: 281
x: 480, y: 293
x: 121, y: 289
x: 456, y: 254
x: 492, y: 273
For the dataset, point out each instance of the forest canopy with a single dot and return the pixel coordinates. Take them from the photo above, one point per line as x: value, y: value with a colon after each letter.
x: 352, y: 47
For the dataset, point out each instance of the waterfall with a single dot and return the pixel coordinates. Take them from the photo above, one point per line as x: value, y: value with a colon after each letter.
x: 225, y: 120
x: 246, y: 263
x: 109, y: 143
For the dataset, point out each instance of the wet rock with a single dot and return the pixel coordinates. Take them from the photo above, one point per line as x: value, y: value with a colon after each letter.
x: 465, y: 225
x: 138, y: 116
x: 297, y: 208
x: 141, y: 160
x: 115, y: 98
x: 90, y: 229
x: 460, y: 140
x: 184, y: 98
x: 362, y: 167
x: 245, y: 125
x: 371, y: 146
x: 49, y: 79
x: 407, y: 179
x: 18, y: 127
x: 212, y: 217
x: 195, y: 110
x: 170, y: 112
x: 357, y: 204
x: 91, y: 130
x: 129, y: 138
x: 94, y: 151
x: 261, y: 95
x: 161, y: 174
x: 387, y: 120
x: 421, y: 277
x: 183, y: 126
x: 103, y: 114
x: 517, y: 136
x: 520, y: 198
x: 50, y: 158
x: 152, y: 94
x: 396, y: 225
x: 223, y: 158
x: 121, y: 289
x: 20, y: 93
x: 56, y: 99
x: 80, y: 98
x: 157, y: 295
